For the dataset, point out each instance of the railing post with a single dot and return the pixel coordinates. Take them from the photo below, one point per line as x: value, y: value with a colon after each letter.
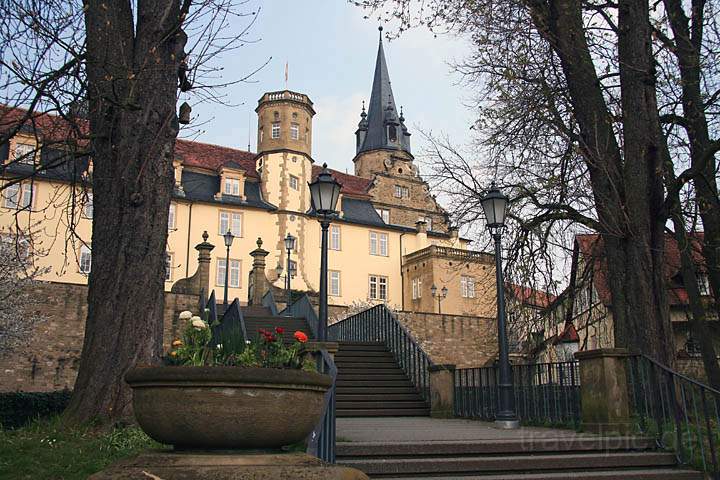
x: 604, y: 391
x: 442, y: 390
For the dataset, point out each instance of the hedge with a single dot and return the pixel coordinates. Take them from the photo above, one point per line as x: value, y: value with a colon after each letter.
x: 19, y: 408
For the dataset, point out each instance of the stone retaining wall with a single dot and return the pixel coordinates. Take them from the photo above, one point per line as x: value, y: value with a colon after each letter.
x: 50, y: 358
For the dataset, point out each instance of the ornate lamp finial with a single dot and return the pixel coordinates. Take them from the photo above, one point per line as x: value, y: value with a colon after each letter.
x: 259, y: 242
x: 205, y: 236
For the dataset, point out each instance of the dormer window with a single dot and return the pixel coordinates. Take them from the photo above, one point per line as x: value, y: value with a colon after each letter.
x: 392, y: 133
x: 24, y: 153
x: 232, y: 187
x: 276, y: 130
x: 294, y: 131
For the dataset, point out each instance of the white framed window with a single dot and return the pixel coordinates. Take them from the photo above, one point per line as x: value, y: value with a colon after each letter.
x: 230, y: 221
x: 25, y: 153
x: 334, y: 237
x: 27, y: 195
x: 275, y: 130
x: 11, y: 196
x: 85, y: 259
x: 334, y: 283
x: 467, y: 286
x: 88, y: 207
x: 379, y: 243
x: 378, y: 287
x: 402, y: 192
x: 294, y: 131
x: 168, y: 266
x: 232, y: 187
x: 294, y: 182
x: 18, y: 196
x: 384, y: 214
x: 419, y: 284
x: 703, y: 284
x: 234, y: 275
x: 293, y: 268
x: 171, y: 217
x: 414, y: 288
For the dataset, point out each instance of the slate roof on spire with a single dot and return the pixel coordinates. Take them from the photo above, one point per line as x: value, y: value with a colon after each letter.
x: 381, y: 108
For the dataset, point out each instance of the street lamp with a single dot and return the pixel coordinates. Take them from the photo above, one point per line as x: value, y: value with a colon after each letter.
x: 289, y: 246
x: 494, y: 205
x: 324, y: 194
x: 229, y: 237
x: 441, y: 297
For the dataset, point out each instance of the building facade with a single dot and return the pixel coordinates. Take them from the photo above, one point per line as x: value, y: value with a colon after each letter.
x: 389, y: 234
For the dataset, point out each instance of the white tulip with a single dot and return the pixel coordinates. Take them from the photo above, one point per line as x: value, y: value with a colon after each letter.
x: 198, y: 323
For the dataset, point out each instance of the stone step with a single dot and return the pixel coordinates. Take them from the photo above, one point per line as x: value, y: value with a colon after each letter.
x: 569, y: 443
x: 362, y: 347
x: 384, y: 412
x: 376, y: 397
x: 415, y: 403
x: 344, y: 375
x: 373, y: 383
x: 502, y: 463
x: 383, y: 358
x: 389, y: 390
x: 634, y: 474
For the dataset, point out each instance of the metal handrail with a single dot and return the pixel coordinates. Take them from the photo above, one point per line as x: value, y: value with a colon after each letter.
x: 268, y: 301
x: 545, y: 393
x: 321, y: 442
x: 682, y: 414
x: 379, y: 324
x: 303, y: 308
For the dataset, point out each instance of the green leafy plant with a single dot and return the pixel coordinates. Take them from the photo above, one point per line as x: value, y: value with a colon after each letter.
x: 269, y: 350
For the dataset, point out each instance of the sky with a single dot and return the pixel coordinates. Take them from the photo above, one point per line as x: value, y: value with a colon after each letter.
x: 330, y: 50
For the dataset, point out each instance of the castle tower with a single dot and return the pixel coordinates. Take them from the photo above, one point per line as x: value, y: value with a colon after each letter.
x: 285, y: 122
x: 381, y: 135
x: 284, y: 164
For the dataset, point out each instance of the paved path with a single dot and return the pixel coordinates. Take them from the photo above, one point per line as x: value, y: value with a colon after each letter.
x: 425, y: 429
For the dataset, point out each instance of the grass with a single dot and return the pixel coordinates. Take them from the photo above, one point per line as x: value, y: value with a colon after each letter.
x: 45, y: 450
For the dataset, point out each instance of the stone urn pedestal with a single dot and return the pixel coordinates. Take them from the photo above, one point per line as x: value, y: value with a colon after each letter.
x: 226, y: 423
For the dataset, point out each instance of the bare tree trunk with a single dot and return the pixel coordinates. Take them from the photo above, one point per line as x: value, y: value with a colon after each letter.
x: 627, y: 197
x: 132, y: 88
x: 688, y: 35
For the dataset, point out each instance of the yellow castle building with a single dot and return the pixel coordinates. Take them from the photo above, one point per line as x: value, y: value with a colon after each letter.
x: 391, y: 242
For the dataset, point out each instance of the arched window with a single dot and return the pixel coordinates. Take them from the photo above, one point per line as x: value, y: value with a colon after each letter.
x: 392, y: 133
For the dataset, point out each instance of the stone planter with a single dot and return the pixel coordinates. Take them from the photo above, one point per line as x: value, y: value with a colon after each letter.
x: 227, y: 407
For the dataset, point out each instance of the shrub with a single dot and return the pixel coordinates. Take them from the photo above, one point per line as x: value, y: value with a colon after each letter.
x: 20, y: 408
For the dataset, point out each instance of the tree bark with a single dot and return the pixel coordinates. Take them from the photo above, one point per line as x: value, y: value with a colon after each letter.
x: 625, y: 184
x: 132, y: 92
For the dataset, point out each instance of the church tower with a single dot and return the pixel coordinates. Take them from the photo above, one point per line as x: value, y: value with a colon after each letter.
x: 382, y: 137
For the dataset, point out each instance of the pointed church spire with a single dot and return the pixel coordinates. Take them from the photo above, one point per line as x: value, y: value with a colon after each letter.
x: 382, y: 115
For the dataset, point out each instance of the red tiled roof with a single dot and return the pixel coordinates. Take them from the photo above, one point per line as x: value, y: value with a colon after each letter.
x: 530, y: 296
x: 569, y: 334
x: 48, y: 126
x: 590, y: 246
x: 351, y: 185
x: 212, y: 157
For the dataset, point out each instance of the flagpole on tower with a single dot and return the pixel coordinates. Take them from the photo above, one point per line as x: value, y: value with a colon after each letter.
x: 286, y: 75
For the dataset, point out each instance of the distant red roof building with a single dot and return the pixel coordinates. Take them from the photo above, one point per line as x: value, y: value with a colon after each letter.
x: 351, y: 185
x: 530, y: 296
x: 212, y: 157
x: 591, y: 248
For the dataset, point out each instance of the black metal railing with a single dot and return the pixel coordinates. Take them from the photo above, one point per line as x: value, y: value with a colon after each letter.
x: 682, y: 414
x: 231, y: 326
x: 379, y: 324
x: 321, y: 442
x: 303, y: 308
x: 268, y: 300
x: 545, y: 393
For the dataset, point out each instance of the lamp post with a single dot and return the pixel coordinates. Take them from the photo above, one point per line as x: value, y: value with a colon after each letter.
x: 324, y: 194
x: 495, y: 205
x: 441, y: 297
x: 229, y: 237
x: 289, y: 246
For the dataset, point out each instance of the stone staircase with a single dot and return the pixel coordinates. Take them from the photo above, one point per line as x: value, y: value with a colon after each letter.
x: 257, y: 317
x: 370, y: 383
x: 561, y: 458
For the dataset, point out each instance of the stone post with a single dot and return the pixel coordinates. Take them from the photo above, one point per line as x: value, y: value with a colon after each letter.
x: 604, y: 391
x: 442, y: 391
x: 259, y: 280
x: 201, y: 278
x: 422, y: 240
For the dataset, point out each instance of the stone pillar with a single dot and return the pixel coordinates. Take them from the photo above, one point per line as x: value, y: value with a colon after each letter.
x: 201, y: 278
x: 442, y: 391
x: 259, y: 280
x: 604, y: 391
x: 454, y: 233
